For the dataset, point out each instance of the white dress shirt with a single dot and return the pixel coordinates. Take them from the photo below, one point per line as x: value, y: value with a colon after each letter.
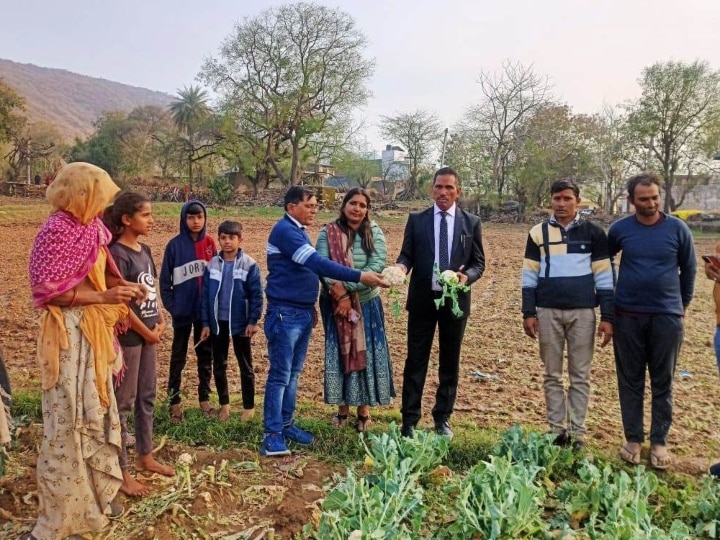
x: 450, y: 218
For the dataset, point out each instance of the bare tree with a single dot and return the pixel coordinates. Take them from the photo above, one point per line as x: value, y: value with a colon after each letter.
x: 418, y: 133
x: 615, y: 152
x: 292, y: 70
x: 508, y: 98
x: 33, y: 146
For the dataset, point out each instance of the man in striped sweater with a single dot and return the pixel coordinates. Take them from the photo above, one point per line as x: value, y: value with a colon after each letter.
x: 566, y: 273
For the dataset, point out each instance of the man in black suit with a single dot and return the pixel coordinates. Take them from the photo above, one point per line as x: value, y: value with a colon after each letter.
x: 446, y: 236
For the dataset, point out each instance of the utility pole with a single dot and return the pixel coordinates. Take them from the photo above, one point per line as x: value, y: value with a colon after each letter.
x: 442, y: 155
x: 29, y: 159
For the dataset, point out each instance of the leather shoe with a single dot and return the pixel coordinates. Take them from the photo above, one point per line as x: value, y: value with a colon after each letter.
x: 407, y: 431
x: 443, y: 429
x: 562, y: 439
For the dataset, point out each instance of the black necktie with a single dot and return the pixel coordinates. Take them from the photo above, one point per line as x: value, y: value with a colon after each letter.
x: 443, y: 257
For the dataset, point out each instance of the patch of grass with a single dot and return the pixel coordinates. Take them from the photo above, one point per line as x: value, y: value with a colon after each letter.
x: 171, y: 209
x: 27, y: 405
x: 470, y: 446
x: 11, y: 213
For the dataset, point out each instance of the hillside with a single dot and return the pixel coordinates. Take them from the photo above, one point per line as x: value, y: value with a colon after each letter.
x: 71, y: 101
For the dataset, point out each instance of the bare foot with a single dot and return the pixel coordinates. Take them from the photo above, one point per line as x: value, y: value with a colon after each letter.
x: 224, y: 413
x: 148, y: 463
x: 247, y: 414
x: 132, y: 487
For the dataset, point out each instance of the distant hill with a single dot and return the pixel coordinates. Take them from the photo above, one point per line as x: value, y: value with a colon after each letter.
x: 71, y: 101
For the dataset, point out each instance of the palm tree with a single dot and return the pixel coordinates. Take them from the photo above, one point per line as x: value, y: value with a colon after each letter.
x: 188, y: 112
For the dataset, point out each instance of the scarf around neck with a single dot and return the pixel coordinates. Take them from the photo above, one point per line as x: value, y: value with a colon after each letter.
x: 351, y: 335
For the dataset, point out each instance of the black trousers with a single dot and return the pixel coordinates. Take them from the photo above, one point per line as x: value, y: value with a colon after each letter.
x: 652, y: 342
x: 220, y: 349
x: 420, y: 335
x: 178, y: 357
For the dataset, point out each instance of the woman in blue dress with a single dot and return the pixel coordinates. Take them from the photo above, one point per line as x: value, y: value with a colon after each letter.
x: 358, y: 370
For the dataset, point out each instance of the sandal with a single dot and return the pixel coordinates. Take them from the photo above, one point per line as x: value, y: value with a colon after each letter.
x: 630, y: 454
x: 339, y: 420
x: 363, y: 423
x: 210, y: 412
x: 177, y: 416
x: 660, y: 458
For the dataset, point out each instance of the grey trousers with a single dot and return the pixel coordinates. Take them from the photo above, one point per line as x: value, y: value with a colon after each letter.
x: 566, y: 411
x: 652, y: 342
x: 137, y: 390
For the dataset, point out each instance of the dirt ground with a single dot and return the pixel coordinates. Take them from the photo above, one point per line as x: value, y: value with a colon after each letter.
x: 500, y: 382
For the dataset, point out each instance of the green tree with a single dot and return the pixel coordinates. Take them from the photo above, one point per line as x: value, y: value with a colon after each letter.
x: 418, y: 133
x: 199, y: 128
x: 357, y: 166
x: 247, y: 149
x: 11, y: 108
x: 553, y: 145
x: 465, y: 153
x: 678, y: 110
x: 289, y: 72
x: 102, y: 148
x: 141, y: 143
x: 141, y: 150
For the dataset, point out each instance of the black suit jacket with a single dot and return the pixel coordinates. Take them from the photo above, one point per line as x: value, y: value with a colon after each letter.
x: 418, y: 255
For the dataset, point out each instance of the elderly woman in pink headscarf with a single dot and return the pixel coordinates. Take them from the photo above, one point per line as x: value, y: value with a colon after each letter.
x: 76, y: 283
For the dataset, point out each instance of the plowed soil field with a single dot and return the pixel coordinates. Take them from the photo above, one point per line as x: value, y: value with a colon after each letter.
x: 501, y: 374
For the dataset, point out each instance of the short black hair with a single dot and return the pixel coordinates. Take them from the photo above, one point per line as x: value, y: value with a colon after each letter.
x: 230, y: 227
x: 447, y: 170
x: 642, y: 179
x: 564, y: 183
x: 298, y: 194
x: 194, y: 209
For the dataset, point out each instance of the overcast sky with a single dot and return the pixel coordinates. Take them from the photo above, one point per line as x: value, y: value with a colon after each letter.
x: 428, y: 53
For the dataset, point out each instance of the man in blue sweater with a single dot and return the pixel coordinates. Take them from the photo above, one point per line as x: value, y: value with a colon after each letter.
x: 655, y: 286
x: 292, y: 290
x: 566, y: 273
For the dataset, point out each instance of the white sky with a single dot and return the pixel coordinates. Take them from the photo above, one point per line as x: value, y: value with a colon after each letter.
x: 428, y: 53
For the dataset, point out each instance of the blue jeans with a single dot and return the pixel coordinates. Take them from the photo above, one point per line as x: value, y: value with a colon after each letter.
x: 287, y: 330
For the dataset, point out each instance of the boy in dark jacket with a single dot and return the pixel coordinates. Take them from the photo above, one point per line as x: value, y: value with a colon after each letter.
x: 186, y: 256
x: 231, y: 306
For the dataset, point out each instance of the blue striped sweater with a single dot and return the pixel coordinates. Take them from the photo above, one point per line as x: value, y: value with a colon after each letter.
x: 294, y: 265
x: 567, y: 268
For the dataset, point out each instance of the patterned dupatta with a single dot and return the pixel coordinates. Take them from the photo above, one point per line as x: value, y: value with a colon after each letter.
x: 351, y: 335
